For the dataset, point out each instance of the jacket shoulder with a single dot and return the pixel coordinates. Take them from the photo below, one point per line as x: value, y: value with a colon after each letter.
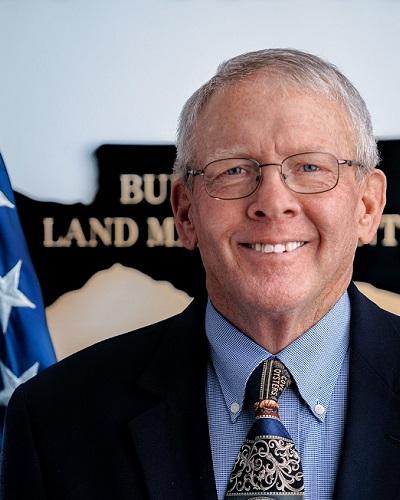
x: 119, y: 358
x: 363, y: 306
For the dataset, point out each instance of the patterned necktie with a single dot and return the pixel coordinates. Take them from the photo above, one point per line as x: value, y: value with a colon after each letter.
x: 268, y: 465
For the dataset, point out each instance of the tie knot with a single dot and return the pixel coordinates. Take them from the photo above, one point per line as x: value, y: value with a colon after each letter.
x: 266, y: 385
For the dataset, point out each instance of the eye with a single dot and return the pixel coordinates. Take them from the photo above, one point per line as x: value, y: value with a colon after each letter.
x: 309, y: 168
x: 231, y: 170
x: 235, y: 171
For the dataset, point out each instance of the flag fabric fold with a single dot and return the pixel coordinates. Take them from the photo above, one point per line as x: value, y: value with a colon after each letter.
x: 25, y: 344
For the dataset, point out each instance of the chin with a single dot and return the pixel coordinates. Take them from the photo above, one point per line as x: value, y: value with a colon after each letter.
x: 280, y: 298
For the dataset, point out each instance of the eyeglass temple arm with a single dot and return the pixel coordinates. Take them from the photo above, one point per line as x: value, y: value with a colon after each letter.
x: 350, y: 163
x: 194, y: 172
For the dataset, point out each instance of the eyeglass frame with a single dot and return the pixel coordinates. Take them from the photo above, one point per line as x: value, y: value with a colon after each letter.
x: 201, y: 172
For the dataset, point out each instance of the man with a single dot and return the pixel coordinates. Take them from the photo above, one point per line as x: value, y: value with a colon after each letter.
x: 276, y: 187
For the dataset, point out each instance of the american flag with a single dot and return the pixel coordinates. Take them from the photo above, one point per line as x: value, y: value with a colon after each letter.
x: 25, y: 344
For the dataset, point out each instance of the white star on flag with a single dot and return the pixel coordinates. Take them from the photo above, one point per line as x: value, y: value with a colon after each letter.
x: 10, y: 296
x: 5, y: 202
x: 11, y: 381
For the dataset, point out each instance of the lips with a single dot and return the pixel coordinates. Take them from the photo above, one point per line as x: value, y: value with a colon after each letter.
x: 288, y: 246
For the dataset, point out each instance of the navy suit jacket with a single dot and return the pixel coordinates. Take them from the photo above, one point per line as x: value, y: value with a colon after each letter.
x: 126, y: 418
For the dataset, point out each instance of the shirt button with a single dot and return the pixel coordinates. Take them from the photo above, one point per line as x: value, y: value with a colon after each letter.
x: 235, y: 407
x: 319, y: 409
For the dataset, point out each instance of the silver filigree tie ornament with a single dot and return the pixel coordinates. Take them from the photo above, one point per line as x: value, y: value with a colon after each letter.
x: 268, y: 464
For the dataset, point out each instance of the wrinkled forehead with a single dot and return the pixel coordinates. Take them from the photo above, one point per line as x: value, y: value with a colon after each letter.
x: 270, y: 81
x: 267, y: 103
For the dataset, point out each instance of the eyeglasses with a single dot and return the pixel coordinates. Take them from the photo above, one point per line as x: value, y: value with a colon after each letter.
x: 305, y: 173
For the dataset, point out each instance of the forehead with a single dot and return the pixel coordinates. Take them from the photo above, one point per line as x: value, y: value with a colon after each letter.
x: 261, y: 115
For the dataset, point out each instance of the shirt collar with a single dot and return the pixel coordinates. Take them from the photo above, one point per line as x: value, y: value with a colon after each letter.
x: 314, y: 359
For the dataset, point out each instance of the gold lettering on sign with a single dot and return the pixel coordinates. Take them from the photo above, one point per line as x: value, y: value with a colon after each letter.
x: 48, y: 241
x: 126, y: 232
x: 149, y: 181
x: 389, y: 223
x: 75, y: 233
x: 150, y: 187
x: 104, y: 232
x: 131, y: 189
x: 161, y: 234
x: 112, y: 231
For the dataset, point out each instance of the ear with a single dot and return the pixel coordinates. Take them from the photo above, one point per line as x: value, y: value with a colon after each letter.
x: 373, y: 202
x: 181, y: 201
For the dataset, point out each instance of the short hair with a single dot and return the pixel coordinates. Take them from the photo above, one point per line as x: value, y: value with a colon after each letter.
x: 295, y: 69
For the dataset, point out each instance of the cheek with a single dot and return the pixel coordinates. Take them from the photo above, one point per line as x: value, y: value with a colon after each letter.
x: 342, y: 237
x: 214, y: 228
x: 212, y: 237
x: 337, y: 223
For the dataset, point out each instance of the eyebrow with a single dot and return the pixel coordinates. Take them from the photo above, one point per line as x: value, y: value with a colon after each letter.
x: 221, y: 153
x: 238, y: 152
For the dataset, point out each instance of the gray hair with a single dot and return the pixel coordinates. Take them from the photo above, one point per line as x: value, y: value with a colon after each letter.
x: 295, y: 68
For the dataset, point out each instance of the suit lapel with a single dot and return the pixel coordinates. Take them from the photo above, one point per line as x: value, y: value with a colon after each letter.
x: 370, y: 459
x: 170, y: 434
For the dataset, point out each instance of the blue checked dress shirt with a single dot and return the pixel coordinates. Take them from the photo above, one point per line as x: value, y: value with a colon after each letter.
x: 313, y: 410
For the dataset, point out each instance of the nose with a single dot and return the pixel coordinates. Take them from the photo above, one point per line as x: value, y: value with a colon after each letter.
x: 273, y: 199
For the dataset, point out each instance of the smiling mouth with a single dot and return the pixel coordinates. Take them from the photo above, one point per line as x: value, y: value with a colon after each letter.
x: 290, y: 246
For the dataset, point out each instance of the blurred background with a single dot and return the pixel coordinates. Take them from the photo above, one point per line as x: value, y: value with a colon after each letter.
x: 75, y: 74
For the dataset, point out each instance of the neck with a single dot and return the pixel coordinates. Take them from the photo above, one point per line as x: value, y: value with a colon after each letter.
x: 271, y: 329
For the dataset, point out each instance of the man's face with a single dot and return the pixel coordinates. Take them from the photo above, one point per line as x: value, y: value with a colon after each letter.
x: 257, y: 119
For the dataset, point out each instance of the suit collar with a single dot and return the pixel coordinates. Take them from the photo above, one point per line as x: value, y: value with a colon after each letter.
x: 171, y: 432
x: 370, y: 453
x: 235, y: 356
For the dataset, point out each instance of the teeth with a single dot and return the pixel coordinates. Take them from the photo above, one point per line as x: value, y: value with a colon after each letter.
x: 292, y: 245
x: 278, y: 248
x: 268, y: 248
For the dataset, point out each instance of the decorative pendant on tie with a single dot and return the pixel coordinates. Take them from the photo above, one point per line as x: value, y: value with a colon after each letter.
x: 268, y: 465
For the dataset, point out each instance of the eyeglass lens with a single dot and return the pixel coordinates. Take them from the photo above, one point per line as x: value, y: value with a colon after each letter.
x: 303, y: 173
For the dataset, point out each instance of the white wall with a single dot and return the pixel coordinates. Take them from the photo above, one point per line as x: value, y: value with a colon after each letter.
x: 78, y: 73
